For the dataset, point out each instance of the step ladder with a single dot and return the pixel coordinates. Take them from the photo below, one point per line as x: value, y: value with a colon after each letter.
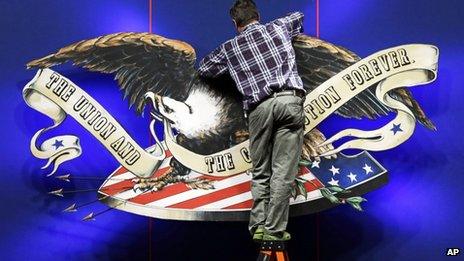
x: 273, y: 251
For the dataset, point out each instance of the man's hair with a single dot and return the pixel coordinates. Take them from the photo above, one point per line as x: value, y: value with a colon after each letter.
x: 243, y: 12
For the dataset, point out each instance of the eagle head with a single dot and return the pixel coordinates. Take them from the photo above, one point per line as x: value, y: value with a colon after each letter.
x: 200, y: 114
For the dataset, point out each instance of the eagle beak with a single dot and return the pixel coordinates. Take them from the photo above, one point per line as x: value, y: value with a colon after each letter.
x: 158, y: 105
x: 155, y: 100
x: 150, y: 96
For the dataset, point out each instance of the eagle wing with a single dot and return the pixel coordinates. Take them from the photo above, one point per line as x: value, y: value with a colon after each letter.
x: 317, y: 61
x: 141, y: 62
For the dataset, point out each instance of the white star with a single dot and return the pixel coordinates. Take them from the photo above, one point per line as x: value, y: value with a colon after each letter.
x: 367, y: 168
x: 352, y: 177
x: 315, y: 164
x: 334, y: 170
x: 333, y: 182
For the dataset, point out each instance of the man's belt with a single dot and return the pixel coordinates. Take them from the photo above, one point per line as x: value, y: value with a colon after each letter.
x: 299, y: 93
x: 296, y: 92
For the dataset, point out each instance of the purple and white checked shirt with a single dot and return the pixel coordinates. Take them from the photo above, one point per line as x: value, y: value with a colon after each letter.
x: 260, y: 59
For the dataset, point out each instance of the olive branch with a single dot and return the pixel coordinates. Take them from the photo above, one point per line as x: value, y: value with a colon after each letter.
x: 332, y: 194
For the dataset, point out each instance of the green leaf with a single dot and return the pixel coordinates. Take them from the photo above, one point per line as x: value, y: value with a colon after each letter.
x: 329, y: 195
x: 304, y: 162
x: 325, y: 192
x: 356, y: 199
x: 333, y: 199
x: 294, y: 192
x: 336, y: 189
x: 302, y: 189
x: 357, y: 206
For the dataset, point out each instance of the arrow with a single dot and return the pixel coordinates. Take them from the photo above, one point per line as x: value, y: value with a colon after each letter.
x: 71, y: 208
x: 68, y: 177
x: 74, y: 207
x: 91, y: 216
x: 58, y: 192
x: 64, y: 177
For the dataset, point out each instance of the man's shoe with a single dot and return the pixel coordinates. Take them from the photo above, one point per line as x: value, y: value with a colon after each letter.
x: 258, y: 235
x: 282, y: 236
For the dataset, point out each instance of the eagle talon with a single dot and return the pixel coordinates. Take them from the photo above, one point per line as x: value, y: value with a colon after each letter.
x: 156, y: 183
x: 313, y: 150
x: 199, y: 183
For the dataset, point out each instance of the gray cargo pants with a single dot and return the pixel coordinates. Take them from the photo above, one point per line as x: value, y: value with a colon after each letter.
x: 276, y: 128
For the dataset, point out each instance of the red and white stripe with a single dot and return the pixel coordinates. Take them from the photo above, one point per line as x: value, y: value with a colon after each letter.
x: 230, y: 193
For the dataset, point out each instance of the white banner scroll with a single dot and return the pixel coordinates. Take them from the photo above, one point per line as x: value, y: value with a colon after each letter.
x: 58, y: 149
x: 55, y: 96
x: 391, y: 134
x: 402, y: 66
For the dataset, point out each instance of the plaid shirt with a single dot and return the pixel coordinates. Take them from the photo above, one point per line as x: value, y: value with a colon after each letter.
x: 260, y: 59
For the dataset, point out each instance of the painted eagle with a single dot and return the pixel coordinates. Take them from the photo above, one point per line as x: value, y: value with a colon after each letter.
x: 207, y: 113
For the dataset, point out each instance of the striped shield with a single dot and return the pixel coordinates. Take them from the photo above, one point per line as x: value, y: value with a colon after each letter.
x: 231, y: 198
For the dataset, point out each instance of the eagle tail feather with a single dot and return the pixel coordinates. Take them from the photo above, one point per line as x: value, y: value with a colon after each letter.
x: 404, y: 95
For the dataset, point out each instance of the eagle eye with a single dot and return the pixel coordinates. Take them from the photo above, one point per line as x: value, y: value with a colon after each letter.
x: 167, y: 109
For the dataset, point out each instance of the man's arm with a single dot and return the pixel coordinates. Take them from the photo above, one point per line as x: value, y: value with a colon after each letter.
x: 214, y: 64
x: 293, y: 23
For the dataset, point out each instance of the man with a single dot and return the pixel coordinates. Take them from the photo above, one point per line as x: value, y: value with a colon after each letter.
x: 261, y: 60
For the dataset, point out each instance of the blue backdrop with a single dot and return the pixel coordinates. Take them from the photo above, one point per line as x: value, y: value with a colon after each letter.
x: 417, y: 215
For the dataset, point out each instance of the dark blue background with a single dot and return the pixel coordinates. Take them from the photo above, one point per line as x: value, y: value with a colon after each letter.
x: 417, y: 215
